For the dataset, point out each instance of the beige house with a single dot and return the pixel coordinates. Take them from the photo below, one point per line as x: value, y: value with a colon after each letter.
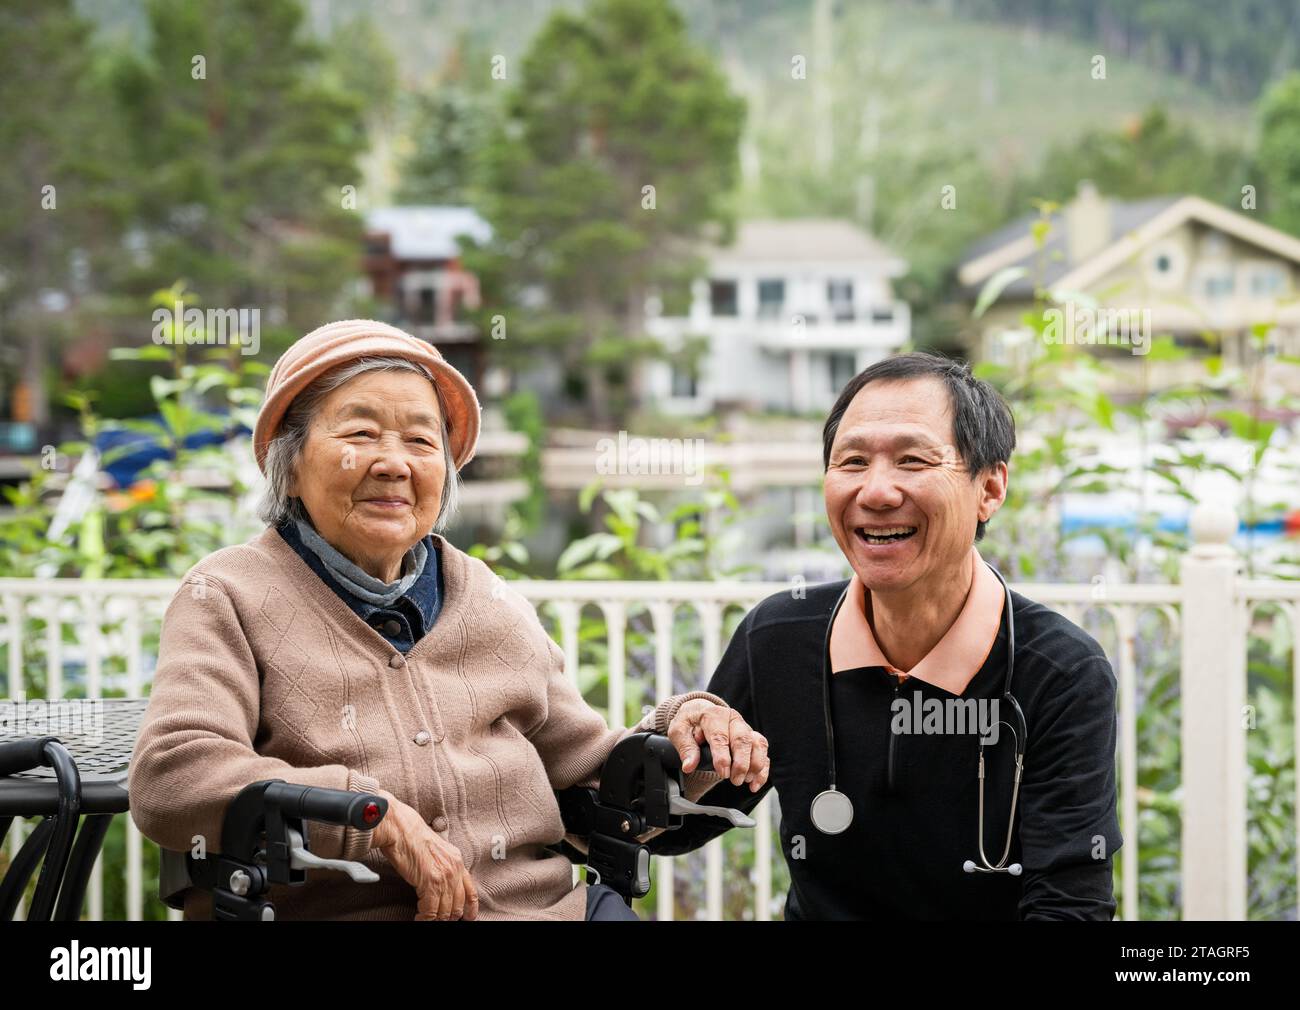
x: 1124, y: 272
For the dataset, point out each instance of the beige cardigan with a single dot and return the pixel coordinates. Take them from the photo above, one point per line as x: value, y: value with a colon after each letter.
x: 264, y: 672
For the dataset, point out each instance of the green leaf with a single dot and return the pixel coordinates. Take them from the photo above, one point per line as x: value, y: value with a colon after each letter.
x: 150, y: 352
x: 588, y: 495
x: 581, y: 551
x: 1163, y: 348
x: 145, y: 428
x: 994, y: 286
x: 162, y: 388
x: 1104, y: 411
x: 647, y: 511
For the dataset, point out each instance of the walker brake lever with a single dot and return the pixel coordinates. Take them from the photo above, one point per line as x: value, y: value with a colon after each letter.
x: 680, y: 805
x: 301, y: 858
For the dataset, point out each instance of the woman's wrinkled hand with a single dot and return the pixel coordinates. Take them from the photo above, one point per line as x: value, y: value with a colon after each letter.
x: 427, y: 861
x: 739, y: 751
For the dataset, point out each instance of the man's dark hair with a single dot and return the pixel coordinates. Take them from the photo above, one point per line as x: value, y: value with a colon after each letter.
x: 982, y: 425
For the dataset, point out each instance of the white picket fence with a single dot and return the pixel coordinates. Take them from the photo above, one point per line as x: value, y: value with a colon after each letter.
x: 1207, y: 612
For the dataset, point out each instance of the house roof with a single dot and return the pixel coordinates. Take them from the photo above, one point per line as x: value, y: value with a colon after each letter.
x: 427, y: 232
x: 819, y: 240
x: 1013, y: 245
x: 1134, y: 225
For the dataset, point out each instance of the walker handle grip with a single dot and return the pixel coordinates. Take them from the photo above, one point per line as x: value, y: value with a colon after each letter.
x: 23, y: 755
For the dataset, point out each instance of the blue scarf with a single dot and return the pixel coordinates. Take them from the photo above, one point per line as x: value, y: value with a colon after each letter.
x: 354, y: 579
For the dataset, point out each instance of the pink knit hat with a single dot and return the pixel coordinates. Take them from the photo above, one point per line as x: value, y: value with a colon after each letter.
x: 334, y: 344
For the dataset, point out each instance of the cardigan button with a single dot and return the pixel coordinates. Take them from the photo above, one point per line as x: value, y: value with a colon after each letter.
x: 422, y: 738
x: 397, y: 661
x: 440, y: 823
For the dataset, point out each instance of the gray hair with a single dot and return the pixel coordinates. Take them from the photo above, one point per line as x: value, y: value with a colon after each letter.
x: 285, y: 450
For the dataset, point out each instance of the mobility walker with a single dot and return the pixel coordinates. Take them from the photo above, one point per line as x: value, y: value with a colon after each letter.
x: 265, y: 836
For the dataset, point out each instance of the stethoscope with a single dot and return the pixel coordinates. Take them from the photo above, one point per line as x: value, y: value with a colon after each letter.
x: 832, y: 811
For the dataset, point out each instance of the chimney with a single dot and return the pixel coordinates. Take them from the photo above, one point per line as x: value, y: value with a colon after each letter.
x: 1087, y: 223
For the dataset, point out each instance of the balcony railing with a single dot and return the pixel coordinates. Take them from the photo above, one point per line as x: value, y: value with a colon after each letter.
x: 98, y: 638
x: 793, y: 331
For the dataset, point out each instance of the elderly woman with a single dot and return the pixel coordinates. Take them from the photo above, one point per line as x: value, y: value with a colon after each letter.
x: 349, y: 646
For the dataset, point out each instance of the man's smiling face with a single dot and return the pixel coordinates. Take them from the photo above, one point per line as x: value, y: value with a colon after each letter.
x: 901, y: 503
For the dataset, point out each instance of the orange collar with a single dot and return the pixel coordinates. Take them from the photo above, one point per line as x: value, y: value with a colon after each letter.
x: 955, y: 658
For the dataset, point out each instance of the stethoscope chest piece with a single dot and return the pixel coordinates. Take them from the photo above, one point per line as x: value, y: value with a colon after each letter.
x: 832, y: 812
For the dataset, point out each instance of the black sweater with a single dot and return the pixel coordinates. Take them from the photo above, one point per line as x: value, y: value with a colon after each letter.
x: 902, y: 856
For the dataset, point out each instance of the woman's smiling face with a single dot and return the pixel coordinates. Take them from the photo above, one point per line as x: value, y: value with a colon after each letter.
x: 901, y: 503
x: 372, y: 468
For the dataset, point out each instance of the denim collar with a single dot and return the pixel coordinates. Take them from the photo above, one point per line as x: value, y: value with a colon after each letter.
x: 417, y: 609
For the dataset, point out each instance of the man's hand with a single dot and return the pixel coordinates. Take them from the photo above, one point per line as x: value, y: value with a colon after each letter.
x: 739, y: 752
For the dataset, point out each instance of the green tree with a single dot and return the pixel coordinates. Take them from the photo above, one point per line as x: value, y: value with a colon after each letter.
x: 56, y: 191
x: 358, y: 62
x: 1279, y: 153
x: 1153, y: 156
x: 616, y: 154
x: 450, y: 124
x: 243, y: 139
x: 1231, y: 47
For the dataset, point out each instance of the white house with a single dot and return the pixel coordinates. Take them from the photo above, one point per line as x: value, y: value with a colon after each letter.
x: 790, y: 312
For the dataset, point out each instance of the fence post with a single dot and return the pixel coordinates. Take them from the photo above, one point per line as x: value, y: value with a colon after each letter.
x: 1213, y: 679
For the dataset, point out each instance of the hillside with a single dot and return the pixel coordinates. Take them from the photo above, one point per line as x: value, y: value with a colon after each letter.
x: 899, y: 99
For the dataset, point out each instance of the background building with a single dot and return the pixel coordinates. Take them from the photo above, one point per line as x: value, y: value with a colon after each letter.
x: 788, y: 313
x: 1206, y: 275
x: 413, y: 263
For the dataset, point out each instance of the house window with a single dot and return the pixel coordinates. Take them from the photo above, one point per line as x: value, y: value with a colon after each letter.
x: 1165, y: 265
x: 428, y: 309
x: 843, y: 368
x: 1217, y: 284
x: 840, y: 296
x: 1010, y: 347
x: 722, y: 297
x: 684, y: 382
x: 1267, y: 281
x: 771, y: 299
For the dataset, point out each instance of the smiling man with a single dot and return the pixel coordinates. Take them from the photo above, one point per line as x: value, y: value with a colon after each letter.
x: 879, y: 821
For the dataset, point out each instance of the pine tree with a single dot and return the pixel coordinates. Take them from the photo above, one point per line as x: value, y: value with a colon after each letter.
x: 616, y: 155
x: 56, y: 189
x: 1279, y: 153
x: 244, y: 141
